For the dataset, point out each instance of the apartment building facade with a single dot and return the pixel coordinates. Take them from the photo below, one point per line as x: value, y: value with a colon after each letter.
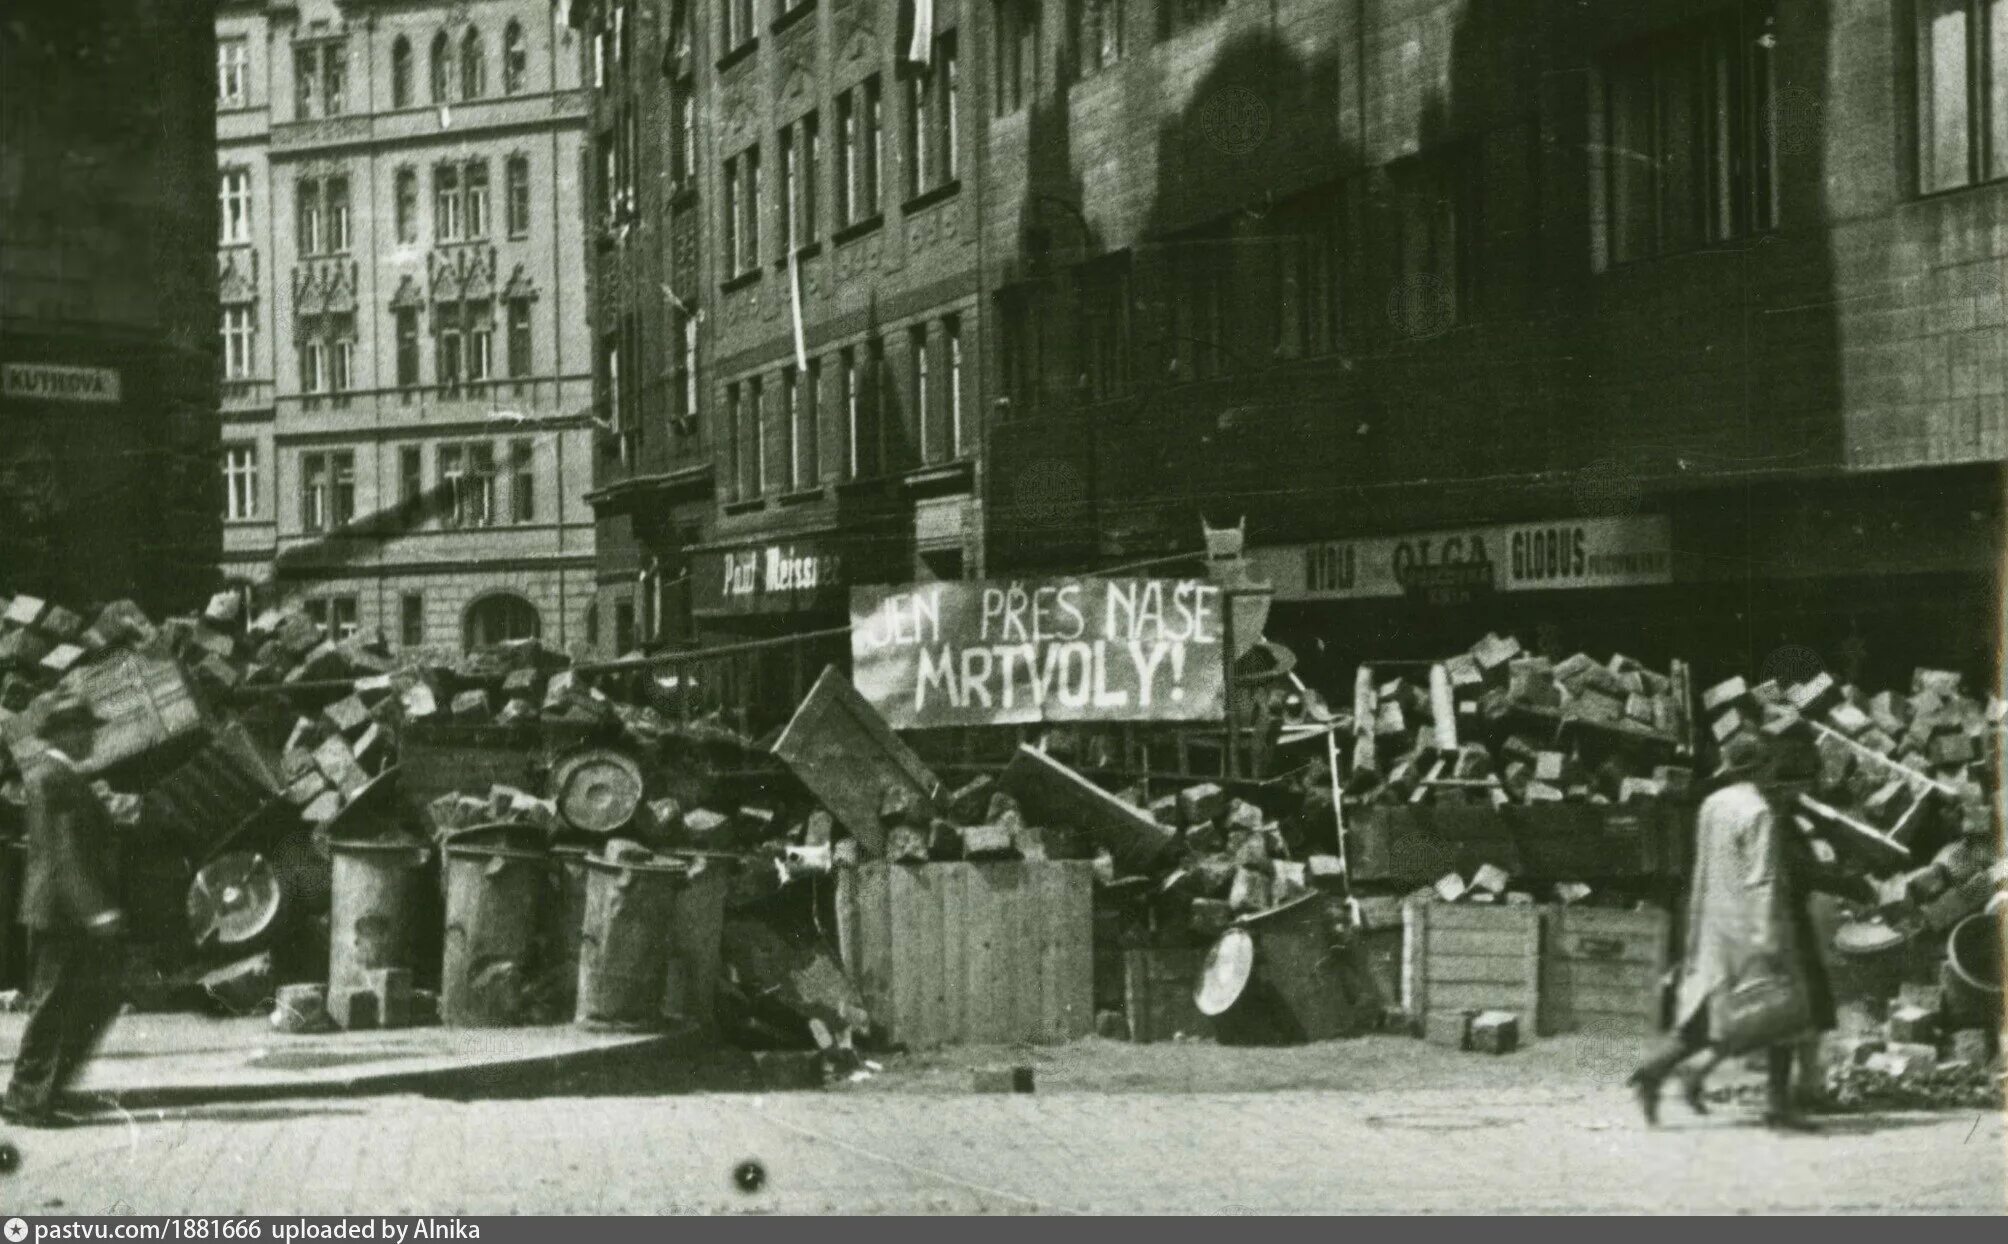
x: 1683, y: 321
x: 406, y: 392
x: 107, y: 296
x: 786, y: 292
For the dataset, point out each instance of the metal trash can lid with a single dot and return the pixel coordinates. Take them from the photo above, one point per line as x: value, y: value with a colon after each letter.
x: 1867, y: 937
x: 234, y: 899
x: 596, y: 789
x: 1228, y: 965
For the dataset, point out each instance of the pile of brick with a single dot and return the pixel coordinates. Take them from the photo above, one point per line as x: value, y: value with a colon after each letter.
x: 1233, y: 861
x: 1885, y: 761
x: 1925, y: 1054
x: 1497, y: 725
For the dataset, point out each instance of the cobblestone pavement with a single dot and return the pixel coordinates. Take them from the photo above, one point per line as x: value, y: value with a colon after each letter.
x: 1451, y: 1150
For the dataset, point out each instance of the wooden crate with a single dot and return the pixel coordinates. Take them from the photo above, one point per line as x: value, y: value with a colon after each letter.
x: 435, y: 760
x: 1472, y: 958
x: 1601, y: 971
x: 1416, y: 845
x: 1158, y: 984
x: 969, y: 953
x: 843, y: 751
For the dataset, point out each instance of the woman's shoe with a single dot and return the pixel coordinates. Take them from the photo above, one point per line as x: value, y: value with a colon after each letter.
x: 1692, y: 1088
x: 1646, y: 1089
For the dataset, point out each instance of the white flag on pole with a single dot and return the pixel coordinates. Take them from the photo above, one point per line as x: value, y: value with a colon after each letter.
x: 921, y: 52
x: 795, y: 304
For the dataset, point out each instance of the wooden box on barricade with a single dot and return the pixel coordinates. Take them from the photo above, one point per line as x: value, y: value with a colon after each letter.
x: 1602, y: 970
x: 971, y: 953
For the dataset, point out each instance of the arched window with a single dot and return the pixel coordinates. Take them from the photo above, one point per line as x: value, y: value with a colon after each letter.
x: 515, y: 59
x: 473, y: 66
x: 400, y: 73
x: 442, y: 68
x: 499, y: 618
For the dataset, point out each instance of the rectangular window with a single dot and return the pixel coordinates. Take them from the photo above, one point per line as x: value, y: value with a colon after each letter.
x: 341, y: 365
x: 233, y: 73
x: 738, y: 23
x: 871, y: 148
x: 306, y: 80
x: 730, y: 222
x: 342, y: 617
x: 1962, y: 92
x: 519, y: 337
x: 847, y: 159
x: 240, y: 481
x: 686, y: 369
x: 756, y: 439
x: 342, y: 498
x: 237, y: 331
x: 314, y: 492
x: 1197, y: 321
x: 1018, y: 350
x: 809, y: 182
x: 917, y: 389
x: 1016, y: 44
x: 519, y: 196
x: 734, y: 442
x: 1102, y: 293
x: 683, y: 160
x: 749, y: 202
x: 307, y: 201
x: 1306, y: 252
x: 234, y: 197
x: 313, y: 363
x: 785, y: 174
x: 948, y: 116
x: 791, y: 427
x: 610, y: 182
x: 1432, y: 238
x: 446, y: 203
x: 522, y: 481
x: 338, y: 214
x: 1098, y: 35
x: 480, y: 342
x: 1688, y: 135
x: 871, y: 439
x: 446, y: 349
x: 847, y: 394
x: 624, y: 621
x: 406, y: 208
x: 919, y: 134
x: 452, y: 477
x: 808, y: 459
x: 951, y: 336
x: 334, y: 79
x: 477, y: 199
x: 407, y: 347
x: 410, y: 474
x: 411, y: 619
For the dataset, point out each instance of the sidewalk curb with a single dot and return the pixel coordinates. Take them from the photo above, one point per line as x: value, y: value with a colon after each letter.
x: 640, y: 1065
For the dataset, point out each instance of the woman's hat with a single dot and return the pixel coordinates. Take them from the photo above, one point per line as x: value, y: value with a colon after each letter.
x: 1741, y: 756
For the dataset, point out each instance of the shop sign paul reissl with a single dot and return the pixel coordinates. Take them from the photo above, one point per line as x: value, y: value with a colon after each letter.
x: 1535, y: 556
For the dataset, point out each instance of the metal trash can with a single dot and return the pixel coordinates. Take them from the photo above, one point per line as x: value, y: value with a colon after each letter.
x: 378, y: 896
x: 494, y: 897
x: 624, y: 941
x: 696, y: 937
x: 564, y: 918
x: 1286, y: 983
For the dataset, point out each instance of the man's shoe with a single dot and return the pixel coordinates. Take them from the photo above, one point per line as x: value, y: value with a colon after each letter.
x: 1646, y: 1090
x: 1693, y: 1090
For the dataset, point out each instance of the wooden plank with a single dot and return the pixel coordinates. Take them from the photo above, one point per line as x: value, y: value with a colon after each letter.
x: 1477, y: 969
x: 1415, y: 936
x: 1490, y: 918
x: 914, y: 961
x: 842, y: 750
x: 1504, y: 941
x: 1458, y: 996
x: 1585, y: 974
x: 1077, y: 988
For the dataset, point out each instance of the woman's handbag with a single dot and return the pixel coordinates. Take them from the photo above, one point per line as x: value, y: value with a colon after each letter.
x: 1764, y: 1004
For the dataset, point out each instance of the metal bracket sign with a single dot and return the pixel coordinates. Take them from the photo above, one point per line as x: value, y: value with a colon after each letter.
x: 1021, y: 651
